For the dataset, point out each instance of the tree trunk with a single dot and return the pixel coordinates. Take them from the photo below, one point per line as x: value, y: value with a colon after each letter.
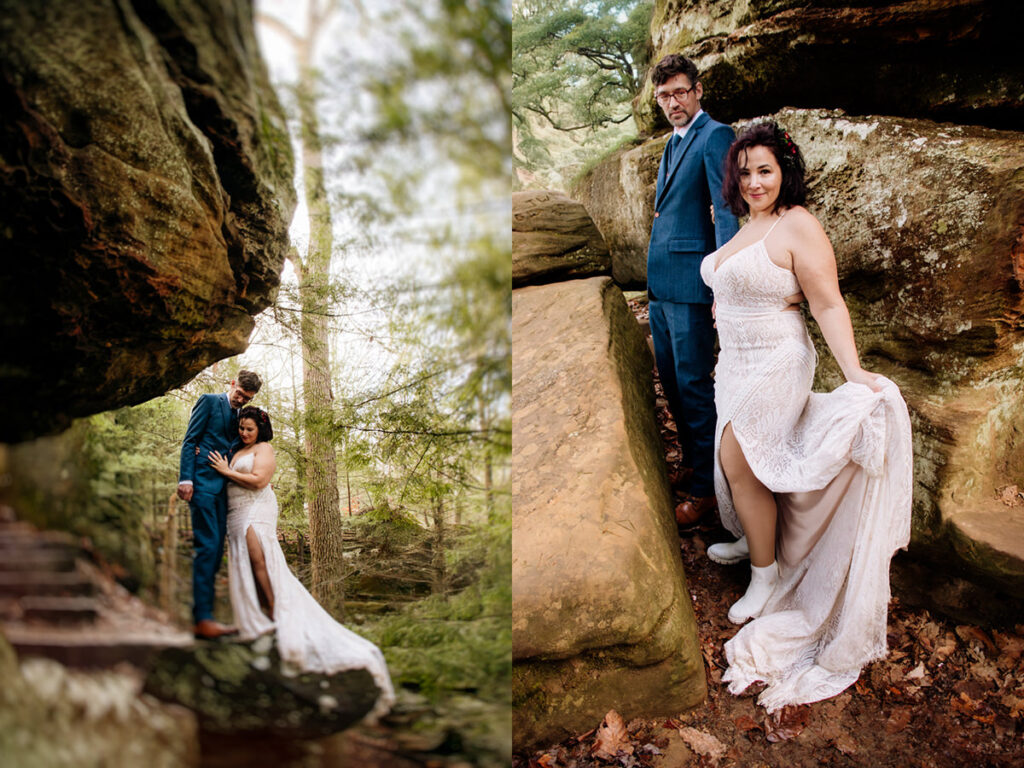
x: 169, y: 562
x: 439, y: 576
x: 314, y: 291
x: 485, y: 426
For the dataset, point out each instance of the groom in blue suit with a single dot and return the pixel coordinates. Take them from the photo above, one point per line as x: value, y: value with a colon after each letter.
x: 213, y: 426
x: 683, y: 232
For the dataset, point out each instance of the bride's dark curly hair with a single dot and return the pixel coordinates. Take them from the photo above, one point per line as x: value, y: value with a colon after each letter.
x: 793, y: 190
x: 264, y: 432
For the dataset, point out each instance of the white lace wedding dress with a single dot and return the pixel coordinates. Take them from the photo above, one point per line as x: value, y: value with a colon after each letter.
x: 840, y: 465
x: 308, y: 637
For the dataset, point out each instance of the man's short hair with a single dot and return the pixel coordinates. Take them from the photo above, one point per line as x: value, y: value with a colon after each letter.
x: 249, y: 381
x: 672, y: 65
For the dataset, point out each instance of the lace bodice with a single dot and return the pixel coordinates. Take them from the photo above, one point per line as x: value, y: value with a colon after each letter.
x: 239, y: 496
x: 748, y: 279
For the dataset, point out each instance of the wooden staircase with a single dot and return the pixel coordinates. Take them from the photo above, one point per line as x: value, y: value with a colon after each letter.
x: 55, y: 603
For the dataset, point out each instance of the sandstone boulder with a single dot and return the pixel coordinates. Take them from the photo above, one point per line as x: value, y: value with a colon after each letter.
x: 145, y: 196
x: 601, y: 617
x: 553, y: 238
x: 942, y: 60
x: 619, y: 194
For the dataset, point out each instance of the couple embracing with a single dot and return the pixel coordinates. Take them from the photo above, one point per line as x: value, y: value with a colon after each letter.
x: 816, y: 486
x: 227, y: 463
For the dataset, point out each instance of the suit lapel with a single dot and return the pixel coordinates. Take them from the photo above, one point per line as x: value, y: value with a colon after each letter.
x: 679, y: 153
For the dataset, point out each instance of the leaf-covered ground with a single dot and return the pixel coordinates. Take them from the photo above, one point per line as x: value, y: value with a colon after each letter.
x: 948, y: 695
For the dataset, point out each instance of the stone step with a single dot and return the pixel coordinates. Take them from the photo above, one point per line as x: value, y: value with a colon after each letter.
x: 53, y: 559
x: 16, y: 526
x: 989, y: 537
x: 30, y: 538
x: 59, y: 610
x: 89, y: 646
x: 27, y: 583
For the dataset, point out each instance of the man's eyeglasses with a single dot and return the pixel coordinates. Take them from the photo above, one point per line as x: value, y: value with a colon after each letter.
x: 679, y: 94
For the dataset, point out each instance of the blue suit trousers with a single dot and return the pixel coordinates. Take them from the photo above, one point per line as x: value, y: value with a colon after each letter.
x: 209, y: 529
x: 684, y: 350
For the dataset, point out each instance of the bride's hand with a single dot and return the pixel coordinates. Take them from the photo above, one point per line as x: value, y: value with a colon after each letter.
x: 868, y: 379
x: 218, y: 462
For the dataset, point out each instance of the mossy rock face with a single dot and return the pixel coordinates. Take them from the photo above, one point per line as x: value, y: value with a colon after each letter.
x: 237, y: 687
x: 601, y: 615
x: 553, y: 700
x: 145, y: 201
x: 934, y: 59
x: 54, y: 716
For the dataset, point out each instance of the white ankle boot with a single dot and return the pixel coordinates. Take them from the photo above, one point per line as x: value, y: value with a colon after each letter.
x: 728, y: 553
x: 762, y: 584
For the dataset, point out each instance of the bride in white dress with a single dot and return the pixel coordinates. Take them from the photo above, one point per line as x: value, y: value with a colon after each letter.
x: 308, y: 637
x: 818, y: 486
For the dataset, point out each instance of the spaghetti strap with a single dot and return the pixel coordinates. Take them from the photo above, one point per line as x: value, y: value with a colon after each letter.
x: 773, y: 226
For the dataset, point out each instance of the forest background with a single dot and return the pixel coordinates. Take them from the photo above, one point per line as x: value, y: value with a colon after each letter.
x: 385, y: 358
x: 576, y: 67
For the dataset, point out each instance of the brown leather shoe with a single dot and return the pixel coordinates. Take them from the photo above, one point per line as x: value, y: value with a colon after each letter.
x: 694, y: 508
x: 208, y: 629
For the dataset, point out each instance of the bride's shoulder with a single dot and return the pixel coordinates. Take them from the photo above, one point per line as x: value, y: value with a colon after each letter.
x: 801, y: 222
x: 264, y: 448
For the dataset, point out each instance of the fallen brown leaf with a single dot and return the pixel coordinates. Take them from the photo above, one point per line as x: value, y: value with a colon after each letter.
x: 984, y: 671
x: 611, y: 738
x: 746, y: 723
x: 944, y: 646
x: 1010, y: 496
x: 1013, y: 703
x: 898, y: 720
x: 973, y: 708
x: 547, y: 761
x: 916, y: 673
x: 703, y: 743
x: 846, y: 744
x: 977, y: 636
x: 1011, y: 647
x: 786, y: 723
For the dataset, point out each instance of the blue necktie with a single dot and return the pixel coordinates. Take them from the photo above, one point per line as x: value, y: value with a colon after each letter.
x: 673, y: 147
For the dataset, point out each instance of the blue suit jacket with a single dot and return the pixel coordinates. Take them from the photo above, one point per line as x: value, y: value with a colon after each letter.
x: 210, y: 428
x: 683, y: 232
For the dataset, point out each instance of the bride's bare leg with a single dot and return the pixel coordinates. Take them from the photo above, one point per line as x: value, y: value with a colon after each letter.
x: 259, y: 570
x: 758, y: 513
x: 755, y: 504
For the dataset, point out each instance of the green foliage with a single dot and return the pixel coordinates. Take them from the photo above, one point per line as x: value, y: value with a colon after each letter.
x: 462, y: 642
x: 109, y: 478
x: 576, y: 66
x: 449, y: 85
